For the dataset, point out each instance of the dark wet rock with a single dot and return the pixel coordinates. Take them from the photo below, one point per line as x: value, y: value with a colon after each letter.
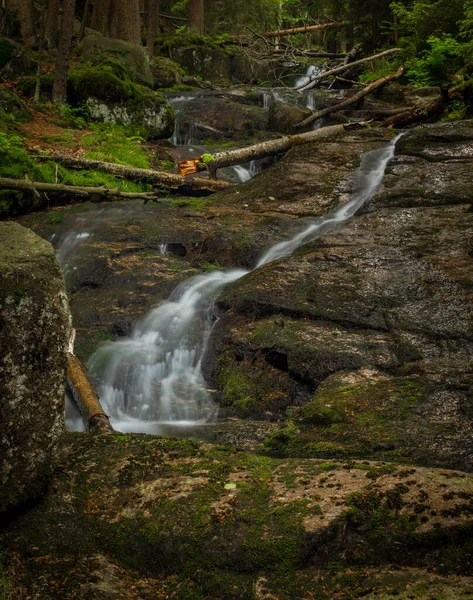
x: 148, y: 517
x: 11, y: 106
x: 34, y: 334
x: 284, y: 118
x: 214, y: 118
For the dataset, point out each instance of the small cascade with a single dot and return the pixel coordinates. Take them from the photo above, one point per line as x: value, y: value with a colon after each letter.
x: 247, y: 170
x: 155, y: 376
x: 67, y: 245
x: 312, y: 71
x: 163, y: 248
x: 182, y: 136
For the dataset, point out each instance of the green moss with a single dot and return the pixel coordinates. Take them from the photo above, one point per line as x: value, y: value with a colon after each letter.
x: 117, y: 144
x: 102, y: 82
x: 7, y: 50
x: 197, y: 203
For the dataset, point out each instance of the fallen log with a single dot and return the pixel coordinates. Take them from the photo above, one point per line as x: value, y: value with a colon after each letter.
x: 306, y: 29
x: 84, y: 394
x: 420, y: 112
x: 171, y: 180
x: 212, y: 162
x: 39, y: 186
x: 353, y: 100
x: 340, y: 69
x: 311, y: 53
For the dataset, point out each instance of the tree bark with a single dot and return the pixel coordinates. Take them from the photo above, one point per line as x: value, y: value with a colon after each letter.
x: 318, y: 78
x: 101, y: 16
x: 272, y: 147
x: 195, y: 16
x: 125, y: 22
x: 25, y: 11
x: 153, y: 25
x: 64, y: 51
x: 353, y: 100
x: 307, y: 29
x: 51, y: 29
x: 171, y: 180
x: 86, y: 397
x: 85, y: 18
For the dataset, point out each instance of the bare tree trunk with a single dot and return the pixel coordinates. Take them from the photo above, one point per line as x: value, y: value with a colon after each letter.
x: 125, y: 22
x: 307, y: 29
x: 195, y: 16
x: 272, y: 147
x: 353, y: 100
x: 101, y: 16
x: 64, y: 51
x: 37, y: 92
x: 153, y: 25
x: 52, y: 20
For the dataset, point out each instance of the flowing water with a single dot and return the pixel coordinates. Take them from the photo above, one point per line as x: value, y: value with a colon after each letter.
x: 247, y: 170
x: 154, y: 377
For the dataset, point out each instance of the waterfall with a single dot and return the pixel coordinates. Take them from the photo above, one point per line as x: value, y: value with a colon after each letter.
x: 310, y: 72
x: 247, y: 170
x: 155, y: 375
x: 181, y: 136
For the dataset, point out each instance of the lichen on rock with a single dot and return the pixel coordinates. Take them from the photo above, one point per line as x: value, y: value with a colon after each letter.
x: 34, y: 332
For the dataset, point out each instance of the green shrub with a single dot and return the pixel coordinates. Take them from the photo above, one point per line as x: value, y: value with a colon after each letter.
x: 438, y: 64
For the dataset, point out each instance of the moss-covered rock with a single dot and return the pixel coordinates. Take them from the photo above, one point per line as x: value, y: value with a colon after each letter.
x: 112, y: 98
x: 177, y: 519
x: 34, y: 333
x: 14, y: 60
x: 11, y: 107
x: 97, y: 50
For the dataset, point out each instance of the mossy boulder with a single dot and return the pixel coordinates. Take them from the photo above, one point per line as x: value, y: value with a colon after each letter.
x: 11, y: 107
x: 166, y: 73
x: 34, y: 333
x: 150, y: 517
x: 112, y: 98
x: 284, y: 118
x: 97, y: 49
x: 14, y: 61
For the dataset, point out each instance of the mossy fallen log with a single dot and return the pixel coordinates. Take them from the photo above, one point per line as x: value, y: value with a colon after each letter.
x: 192, y: 186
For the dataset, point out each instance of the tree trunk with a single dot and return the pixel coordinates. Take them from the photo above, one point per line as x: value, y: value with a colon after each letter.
x: 318, y: 78
x: 272, y: 147
x: 195, y: 16
x: 101, y: 16
x: 51, y: 29
x: 85, y: 19
x: 86, y: 397
x: 419, y: 112
x: 25, y: 12
x: 64, y: 51
x: 307, y: 29
x: 171, y: 180
x: 125, y: 21
x: 153, y: 25
x: 353, y: 100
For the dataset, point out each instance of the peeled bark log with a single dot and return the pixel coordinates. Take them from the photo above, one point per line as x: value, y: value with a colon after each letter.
x: 318, y: 78
x: 307, y: 29
x: 86, y: 397
x: 171, y: 180
x: 353, y: 100
x: 272, y: 147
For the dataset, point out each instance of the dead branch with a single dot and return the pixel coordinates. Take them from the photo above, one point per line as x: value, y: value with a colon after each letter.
x: 353, y: 100
x: 318, y: 78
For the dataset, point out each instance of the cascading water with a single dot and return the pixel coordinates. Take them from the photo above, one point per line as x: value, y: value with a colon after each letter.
x: 303, y: 80
x: 247, y: 171
x: 155, y: 376
x: 181, y: 136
